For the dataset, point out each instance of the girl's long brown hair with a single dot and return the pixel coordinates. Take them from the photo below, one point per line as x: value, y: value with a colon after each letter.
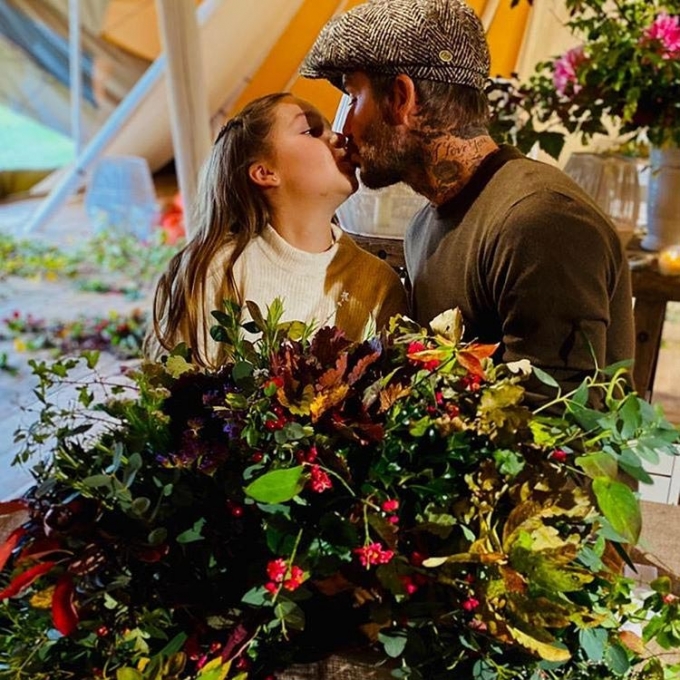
x: 229, y: 210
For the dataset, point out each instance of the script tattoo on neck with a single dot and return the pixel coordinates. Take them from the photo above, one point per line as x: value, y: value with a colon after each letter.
x: 455, y: 153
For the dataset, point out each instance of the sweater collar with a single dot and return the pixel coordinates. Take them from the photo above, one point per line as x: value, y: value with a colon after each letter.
x: 278, y: 250
x: 482, y: 176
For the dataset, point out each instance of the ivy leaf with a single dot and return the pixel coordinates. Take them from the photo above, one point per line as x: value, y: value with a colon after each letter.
x: 544, y: 377
x: 593, y: 641
x: 242, y: 371
x: 617, y: 659
x: 277, y: 486
x: 620, y: 506
x: 394, y: 644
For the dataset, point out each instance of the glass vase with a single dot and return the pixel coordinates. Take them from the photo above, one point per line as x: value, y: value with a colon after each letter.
x: 663, y: 199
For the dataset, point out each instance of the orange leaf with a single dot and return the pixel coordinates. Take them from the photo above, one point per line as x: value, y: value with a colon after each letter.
x: 470, y: 362
x: 632, y: 641
x: 482, y: 351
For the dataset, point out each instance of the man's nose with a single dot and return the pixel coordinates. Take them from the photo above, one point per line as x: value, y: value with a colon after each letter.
x: 347, y: 125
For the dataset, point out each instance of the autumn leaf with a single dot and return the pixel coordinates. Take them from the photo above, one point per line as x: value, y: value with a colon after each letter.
x: 544, y: 650
x: 326, y: 400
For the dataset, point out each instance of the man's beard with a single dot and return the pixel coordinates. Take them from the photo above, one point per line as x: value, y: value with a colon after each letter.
x: 385, y: 160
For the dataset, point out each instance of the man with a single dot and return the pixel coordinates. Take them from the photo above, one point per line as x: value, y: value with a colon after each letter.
x: 529, y: 259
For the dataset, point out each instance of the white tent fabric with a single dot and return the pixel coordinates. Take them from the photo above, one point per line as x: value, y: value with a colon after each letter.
x: 34, y: 78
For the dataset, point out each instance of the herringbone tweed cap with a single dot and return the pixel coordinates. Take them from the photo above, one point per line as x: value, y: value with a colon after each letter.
x: 440, y: 40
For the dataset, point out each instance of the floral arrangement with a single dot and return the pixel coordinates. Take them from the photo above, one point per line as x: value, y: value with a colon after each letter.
x: 626, y: 69
x: 119, y: 334
x: 315, y: 495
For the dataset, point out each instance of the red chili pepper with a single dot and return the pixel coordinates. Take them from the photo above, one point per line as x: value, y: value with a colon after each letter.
x: 64, y: 615
x: 25, y: 579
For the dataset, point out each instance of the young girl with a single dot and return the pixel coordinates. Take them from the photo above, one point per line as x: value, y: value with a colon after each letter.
x: 264, y: 228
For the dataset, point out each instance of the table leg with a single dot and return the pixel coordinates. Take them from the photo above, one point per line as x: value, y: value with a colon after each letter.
x: 649, y: 317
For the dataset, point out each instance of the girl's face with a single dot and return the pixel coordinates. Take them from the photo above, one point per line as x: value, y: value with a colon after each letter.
x: 309, y: 159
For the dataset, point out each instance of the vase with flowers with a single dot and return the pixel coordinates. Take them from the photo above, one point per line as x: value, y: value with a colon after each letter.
x: 625, y: 74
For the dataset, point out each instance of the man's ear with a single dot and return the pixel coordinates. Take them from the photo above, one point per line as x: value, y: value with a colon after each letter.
x: 263, y: 176
x: 403, y: 100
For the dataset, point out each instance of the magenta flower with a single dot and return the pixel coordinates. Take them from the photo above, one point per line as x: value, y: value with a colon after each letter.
x: 666, y: 30
x: 564, y: 71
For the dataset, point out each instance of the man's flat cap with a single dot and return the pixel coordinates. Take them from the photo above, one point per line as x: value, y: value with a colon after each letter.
x: 440, y: 40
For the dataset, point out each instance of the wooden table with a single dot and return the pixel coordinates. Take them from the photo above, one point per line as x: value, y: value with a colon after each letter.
x: 651, y: 290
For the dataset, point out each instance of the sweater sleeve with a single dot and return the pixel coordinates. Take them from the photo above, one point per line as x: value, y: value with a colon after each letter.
x: 555, y: 269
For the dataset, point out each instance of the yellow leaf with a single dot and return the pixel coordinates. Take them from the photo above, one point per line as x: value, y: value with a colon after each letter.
x: 327, y: 399
x: 391, y: 394
x: 176, y: 365
x: 215, y: 670
x: 300, y: 407
x: 543, y: 649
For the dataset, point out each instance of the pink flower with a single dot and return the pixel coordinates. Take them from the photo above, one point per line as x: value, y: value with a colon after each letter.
x: 666, y: 30
x: 319, y: 480
x: 373, y: 553
x: 564, y: 70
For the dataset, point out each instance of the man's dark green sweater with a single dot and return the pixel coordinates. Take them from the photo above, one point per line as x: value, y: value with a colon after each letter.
x: 531, y: 262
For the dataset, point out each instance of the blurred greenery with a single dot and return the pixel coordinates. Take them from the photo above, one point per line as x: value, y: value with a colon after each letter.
x: 27, y: 145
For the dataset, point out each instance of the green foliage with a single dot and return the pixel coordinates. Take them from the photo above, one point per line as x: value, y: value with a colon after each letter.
x: 99, y: 265
x: 619, y: 72
x: 395, y: 492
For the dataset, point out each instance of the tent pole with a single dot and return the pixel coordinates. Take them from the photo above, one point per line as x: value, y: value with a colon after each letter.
x: 75, y: 73
x: 75, y: 174
x: 187, y: 94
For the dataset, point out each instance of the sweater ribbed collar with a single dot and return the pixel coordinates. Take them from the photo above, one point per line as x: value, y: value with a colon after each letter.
x: 281, y: 253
